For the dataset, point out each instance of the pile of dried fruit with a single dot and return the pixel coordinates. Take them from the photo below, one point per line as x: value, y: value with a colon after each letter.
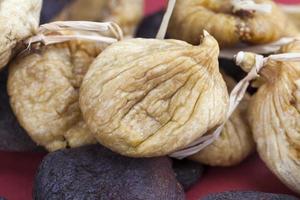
x: 76, y: 83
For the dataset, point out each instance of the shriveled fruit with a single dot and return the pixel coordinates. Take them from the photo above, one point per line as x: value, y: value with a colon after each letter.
x: 126, y: 13
x: 235, y: 142
x: 187, y: 172
x: 149, y: 97
x: 12, y: 136
x: 249, y: 195
x: 94, y: 173
x: 19, y: 19
x: 44, y: 90
x: 191, y: 17
x: 274, y: 114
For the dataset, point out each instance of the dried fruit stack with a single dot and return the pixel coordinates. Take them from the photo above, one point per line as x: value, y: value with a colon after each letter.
x: 147, y: 98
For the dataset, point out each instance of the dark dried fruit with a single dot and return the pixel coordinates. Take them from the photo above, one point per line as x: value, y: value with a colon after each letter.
x: 12, y: 136
x: 248, y: 196
x: 187, y: 172
x: 94, y: 172
x: 150, y: 25
x: 52, y: 8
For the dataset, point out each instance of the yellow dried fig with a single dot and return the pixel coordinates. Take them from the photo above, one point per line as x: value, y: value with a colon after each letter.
x: 274, y: 115
x: 150, y: 97
x: 19, y: 19
x: 235, y: 142
x: 228, y: 26
x: 44, y: 90
x: 126, y: 13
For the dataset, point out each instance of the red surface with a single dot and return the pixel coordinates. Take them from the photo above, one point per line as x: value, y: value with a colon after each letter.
x: 17, y: 170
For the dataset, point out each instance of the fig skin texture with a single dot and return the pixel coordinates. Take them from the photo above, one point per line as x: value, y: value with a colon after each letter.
x: 94, y: 173
x: 235, y: 142
x: 248, y: 195
x: 19, y: 19
x: 12, y: 136
x: 44, y: 90
x: 191, y: 17
x: 187, y: 172
x: 126, y: 13
x: 149, y: 97
x: 274, y: 116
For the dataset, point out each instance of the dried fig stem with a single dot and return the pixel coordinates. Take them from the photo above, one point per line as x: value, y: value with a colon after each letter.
x: 165, y: 23
x: 259, y: 49
x: 243, y: 59
x: 250, y: 5
x: 50, y: 33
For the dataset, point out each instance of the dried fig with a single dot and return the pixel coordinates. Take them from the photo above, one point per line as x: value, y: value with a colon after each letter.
x: 95, y: 173
x: 150, y: 97
x: 229, y: 27
x: 235, y: 142
x: 44, y: 89
x: 19, y: 19
x: 126, y: 13
x: 274, y: 114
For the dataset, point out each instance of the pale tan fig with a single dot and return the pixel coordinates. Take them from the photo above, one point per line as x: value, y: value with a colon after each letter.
x: 44, y: 89
x: 150, y: 97
x: 235, y: 142
x: 126, y: 13
x: 228, y: 25
x: 274, y: 114
x: 19, y: 19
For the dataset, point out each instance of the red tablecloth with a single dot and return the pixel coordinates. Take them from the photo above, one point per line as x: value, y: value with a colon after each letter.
x: 17, y: 170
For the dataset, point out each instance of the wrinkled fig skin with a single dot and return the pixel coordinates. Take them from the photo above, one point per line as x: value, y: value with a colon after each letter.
x: 19, y: 19
x: 150, y: 25
x: 235, y: 142
x: 94, y: 173
x: 126, y: 13
x: 44, y: 90
x: 188, y: 173
x: 52, y: 8
x: 274, y: 114
x: 191, y: 17
x: 248, y: 196
x: 12, y: 136
x: 148, y: 97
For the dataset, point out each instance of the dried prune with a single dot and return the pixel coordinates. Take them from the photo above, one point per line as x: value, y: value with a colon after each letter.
x: 187, y: 172
x: 191, y: 17
x: 149, y: 26
x: 150, y: 97
x: 249, y: 195
x: 94, y: 172
x: 235, y: 142
x: 12, y: 136
x: 19, y: 20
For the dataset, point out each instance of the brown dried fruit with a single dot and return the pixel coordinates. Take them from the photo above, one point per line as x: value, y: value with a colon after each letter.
x: 149, y: 97
x: 19, y: 19
x: 44, y: 90
x: 191, y: 17
x: 235, y: 142
x: 274, y: 115
x: 126, y: 13
x: 95, y: 173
